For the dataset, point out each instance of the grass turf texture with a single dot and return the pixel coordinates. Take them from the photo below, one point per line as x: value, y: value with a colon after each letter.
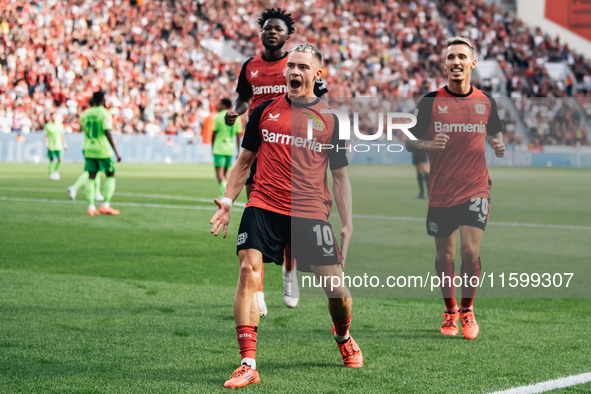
x: 143, y: 302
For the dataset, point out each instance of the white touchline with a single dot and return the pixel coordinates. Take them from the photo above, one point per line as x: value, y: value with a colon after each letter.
x: 506, y: 224
x: 162, y: 196
x: 125, y: 204
x: 549, y: 385
x: 238, y: 204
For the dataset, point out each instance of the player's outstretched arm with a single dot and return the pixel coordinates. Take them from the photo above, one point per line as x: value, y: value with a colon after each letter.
x: 236, y: 180
x: 496, y: 142
x: 438, y: 143
x: 343, y: 197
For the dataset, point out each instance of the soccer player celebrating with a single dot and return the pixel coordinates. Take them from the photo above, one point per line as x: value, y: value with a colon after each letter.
x: 96, y: 123
x: 453, y: 126
x: 289, y: 204
x: 55, y: 143
x: 225, y: 138
x: 261, y: 79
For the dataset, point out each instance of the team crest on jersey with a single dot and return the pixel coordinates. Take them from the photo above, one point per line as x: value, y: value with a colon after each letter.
x: 442, y: 110
x: 241, y: 238
x: 273, y: 117
x: 254, y: 74
x: 317, y: 122
x: 480, y: 108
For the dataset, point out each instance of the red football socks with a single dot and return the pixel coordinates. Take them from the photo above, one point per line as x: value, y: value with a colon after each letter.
x: 247, y: 340
x: 341, y: 326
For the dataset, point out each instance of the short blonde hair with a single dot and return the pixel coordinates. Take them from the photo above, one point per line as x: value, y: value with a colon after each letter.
x: 457, y: 40
x: 309, y: 48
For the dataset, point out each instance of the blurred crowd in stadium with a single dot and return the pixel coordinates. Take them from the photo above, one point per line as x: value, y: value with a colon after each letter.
x: 161, y: 80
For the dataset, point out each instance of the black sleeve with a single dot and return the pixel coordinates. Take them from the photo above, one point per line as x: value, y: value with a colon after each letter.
x: 337, y: 157
x: 423, y: 115
x: 252, y: 135
x: 320, y: 88
x: 494, y: 125
x: 244, y: 89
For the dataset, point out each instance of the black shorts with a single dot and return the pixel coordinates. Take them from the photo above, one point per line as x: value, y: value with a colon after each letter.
x: 419, y: 157
x: 253, y: 170
x: 442, y: 221
x: 312, y: 241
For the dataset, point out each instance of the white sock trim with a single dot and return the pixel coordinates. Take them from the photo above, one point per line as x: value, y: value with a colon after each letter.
x: 343, y: 338
x: 250, y: 362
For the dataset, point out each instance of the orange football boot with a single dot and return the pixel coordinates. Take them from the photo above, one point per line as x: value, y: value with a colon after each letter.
x: 450, y: 323
x: 108, y: 210
x: 92, y: 212
x: 242, y: 376
x: 469, y: 326
x: 351, y: 352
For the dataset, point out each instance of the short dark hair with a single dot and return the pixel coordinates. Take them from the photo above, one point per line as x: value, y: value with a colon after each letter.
x: 98, y: 98
x: 272, y: 13
x: 457, y: 40
x: 226, y: 102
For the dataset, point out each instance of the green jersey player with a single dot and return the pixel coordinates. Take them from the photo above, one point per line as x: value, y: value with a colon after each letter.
x: 96, y: 123
x: 55, y: 143
x: 225, y: 139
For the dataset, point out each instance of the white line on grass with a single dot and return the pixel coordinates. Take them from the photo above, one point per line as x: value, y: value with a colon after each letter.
x: 142, y: 195
x: 372, y: 217
x: 506, y: 224
x: 549, y: 385
x: 125, y: 204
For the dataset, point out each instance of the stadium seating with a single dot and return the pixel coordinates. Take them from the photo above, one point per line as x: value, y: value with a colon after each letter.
x: 162, y: 80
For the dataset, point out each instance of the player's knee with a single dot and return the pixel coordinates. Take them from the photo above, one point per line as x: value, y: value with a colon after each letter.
x: 248, y: 274
x: 445, y: 258
x: 469, y: 253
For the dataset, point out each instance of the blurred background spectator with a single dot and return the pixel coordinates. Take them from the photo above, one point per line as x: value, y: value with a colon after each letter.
x: 151, y: 57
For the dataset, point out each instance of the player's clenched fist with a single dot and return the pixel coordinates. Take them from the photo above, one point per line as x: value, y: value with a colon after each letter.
x: 439, y: 141
x: 498, y: 146
x: 230, y: 117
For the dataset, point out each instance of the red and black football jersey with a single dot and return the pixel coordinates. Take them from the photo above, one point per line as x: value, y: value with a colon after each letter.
x: 459, y: 172
x: 262, y: 80
x: 291, y: 177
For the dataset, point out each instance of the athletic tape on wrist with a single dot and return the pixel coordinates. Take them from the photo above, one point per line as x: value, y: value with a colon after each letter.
x: 228, y: 201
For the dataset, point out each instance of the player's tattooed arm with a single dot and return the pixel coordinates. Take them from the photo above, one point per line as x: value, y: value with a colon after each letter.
x: 496, y: 142
x: 438, y: 143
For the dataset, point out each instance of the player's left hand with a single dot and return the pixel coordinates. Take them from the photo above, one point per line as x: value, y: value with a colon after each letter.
x: 498, y: 146
x: 346, y: 234
x: 220, y: 219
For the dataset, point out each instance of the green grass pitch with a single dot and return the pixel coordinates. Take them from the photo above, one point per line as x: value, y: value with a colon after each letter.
x: 142, y: 302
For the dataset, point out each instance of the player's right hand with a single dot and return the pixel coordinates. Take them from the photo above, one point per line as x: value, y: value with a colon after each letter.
x: 346, y: 233
x: 439, y: 141
x: 230, y: 117
x: 220, y: 219
x: 118, y: 158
